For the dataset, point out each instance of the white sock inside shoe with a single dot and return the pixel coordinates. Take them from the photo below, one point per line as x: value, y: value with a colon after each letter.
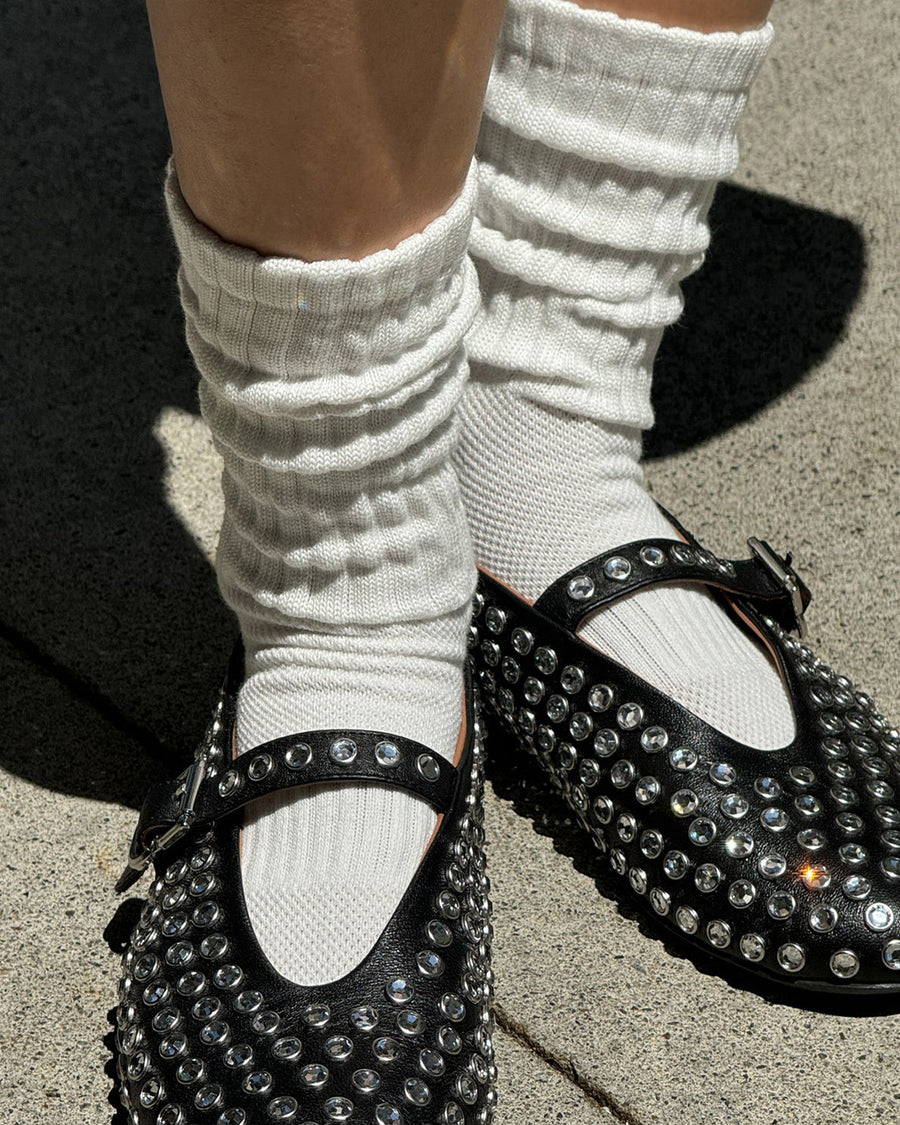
x: 330, y: 389
x: 602, y: 142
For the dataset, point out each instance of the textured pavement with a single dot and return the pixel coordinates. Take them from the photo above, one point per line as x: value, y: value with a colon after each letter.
x: 778, y: 403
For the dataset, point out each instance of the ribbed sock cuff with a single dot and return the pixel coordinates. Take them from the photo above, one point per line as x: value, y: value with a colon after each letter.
x: 330, y: 389
x: 597, y: 84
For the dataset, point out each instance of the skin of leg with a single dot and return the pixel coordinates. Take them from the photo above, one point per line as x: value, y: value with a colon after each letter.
x: 700, y: 15
x: 322, y: 129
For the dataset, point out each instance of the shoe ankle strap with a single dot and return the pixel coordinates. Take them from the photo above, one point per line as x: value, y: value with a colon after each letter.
x: 206, y: 792
x: 766, y: 580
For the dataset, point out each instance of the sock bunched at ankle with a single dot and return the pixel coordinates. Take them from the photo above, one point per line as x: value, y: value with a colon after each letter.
x: 330, y: 389
x: 601, y: 145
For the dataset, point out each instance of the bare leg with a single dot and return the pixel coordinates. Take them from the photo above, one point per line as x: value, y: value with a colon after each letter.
x: 322, y: 130
x: 702, y: 15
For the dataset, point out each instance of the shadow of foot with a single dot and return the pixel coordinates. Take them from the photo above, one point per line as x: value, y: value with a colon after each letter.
x: 770, y: 302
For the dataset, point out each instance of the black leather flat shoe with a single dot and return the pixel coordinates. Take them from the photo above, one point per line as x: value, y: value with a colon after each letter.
x: 784, y: 863
x: 208, y: 1031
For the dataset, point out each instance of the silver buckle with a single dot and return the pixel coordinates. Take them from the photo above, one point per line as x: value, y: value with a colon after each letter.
x: 781, y: 570
x: 190, y: 782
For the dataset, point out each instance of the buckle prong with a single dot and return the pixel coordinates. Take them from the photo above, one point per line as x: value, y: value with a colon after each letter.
x: 190, y: 781
x: 784, y: 574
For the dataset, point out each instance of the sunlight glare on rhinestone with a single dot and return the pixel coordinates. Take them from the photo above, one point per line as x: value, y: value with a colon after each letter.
x: 739, y: 845
x: 816, y: 877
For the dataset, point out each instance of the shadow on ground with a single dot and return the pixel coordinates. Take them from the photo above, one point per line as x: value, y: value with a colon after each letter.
x: 769, y: 303
x: 101, y: 587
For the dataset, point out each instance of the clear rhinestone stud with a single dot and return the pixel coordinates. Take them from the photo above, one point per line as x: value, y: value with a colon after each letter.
x: 752, y: 947
x: 343, y: 751
x: 617, y: 568
x: 387, y: 754
x: 580, y: 588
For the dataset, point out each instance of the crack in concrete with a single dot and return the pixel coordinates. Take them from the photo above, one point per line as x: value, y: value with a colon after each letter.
x: 566, y: 1068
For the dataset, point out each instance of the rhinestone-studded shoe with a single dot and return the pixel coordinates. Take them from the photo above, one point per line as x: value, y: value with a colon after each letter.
x: 209, y: 1032
x: 786, y: 864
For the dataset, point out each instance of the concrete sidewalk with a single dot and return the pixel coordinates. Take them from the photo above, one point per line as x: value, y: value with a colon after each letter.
x: 779, y: 415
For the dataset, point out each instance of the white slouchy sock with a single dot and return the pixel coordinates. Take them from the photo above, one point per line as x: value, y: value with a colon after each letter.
x: 330, y: 389
x: 601, y: 145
